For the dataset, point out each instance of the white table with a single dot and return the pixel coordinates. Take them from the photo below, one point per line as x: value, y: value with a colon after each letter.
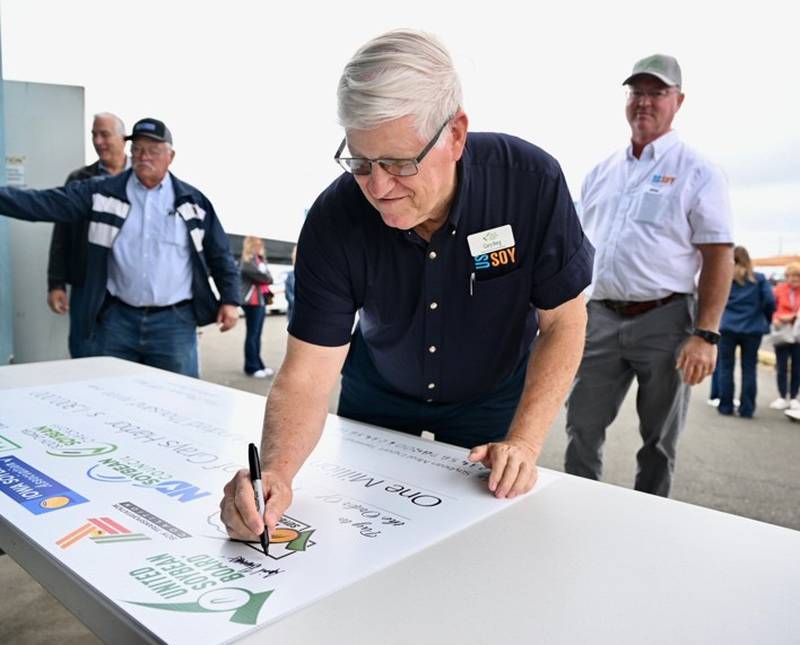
x: 578, y: 562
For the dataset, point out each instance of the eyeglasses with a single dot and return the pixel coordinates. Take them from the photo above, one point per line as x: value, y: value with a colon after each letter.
x: 397, y: 167
x: 636, y: 93
x: 150, y: 151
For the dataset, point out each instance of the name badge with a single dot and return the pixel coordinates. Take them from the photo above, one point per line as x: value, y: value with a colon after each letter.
x: 492, y: 239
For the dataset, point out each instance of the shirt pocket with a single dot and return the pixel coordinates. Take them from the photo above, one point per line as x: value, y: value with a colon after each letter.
x: 504, y: 295
x: 652, y: 205
x: 173, y: 231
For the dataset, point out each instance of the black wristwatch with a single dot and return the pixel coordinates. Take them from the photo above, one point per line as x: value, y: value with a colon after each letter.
x: 708, y: 336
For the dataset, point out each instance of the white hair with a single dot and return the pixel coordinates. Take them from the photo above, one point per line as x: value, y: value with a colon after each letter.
x: 400, y: 73
x: 108, y: 115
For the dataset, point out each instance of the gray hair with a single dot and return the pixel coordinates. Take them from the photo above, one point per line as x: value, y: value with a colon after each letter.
x: 400, y: 73
x: 108, y: 115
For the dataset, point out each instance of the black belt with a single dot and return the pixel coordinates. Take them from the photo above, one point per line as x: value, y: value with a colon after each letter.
x: 635, y: 308
x: 150, y: 309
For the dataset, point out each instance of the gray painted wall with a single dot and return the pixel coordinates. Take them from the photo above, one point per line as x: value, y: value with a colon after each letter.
x: 6, y: 292
x: 44, y: 139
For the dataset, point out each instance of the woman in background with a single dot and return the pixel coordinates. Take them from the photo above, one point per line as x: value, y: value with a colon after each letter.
x: 745, y: 320
x: 256, y: 279
x: 787, y: 353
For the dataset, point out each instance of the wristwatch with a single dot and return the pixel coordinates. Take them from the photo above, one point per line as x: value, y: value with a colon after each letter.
x: 708, y: 336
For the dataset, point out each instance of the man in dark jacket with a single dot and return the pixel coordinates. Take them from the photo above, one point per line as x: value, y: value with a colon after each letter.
x: 67, y: 262
x: 153, y: 242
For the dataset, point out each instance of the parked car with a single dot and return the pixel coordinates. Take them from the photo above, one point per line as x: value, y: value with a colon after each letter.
x: 279, y: 272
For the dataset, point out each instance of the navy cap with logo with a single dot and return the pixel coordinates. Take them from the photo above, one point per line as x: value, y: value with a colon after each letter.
x: 152, y: 129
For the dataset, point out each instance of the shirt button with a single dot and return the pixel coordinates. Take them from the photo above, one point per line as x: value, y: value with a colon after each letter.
x: 432, y: 255
x: 432, y: 349
x: 428, y: 400
x: 434, y: 305
x: 453, y: 232
x: 431, y: 386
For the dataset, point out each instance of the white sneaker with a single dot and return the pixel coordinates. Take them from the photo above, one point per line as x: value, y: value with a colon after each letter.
x: 794, y: 404
x: 265, y: 373
x: 780, y: 404
x: 714, y: 403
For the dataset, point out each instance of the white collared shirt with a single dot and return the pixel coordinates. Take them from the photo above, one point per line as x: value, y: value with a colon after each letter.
x: 645, y: 217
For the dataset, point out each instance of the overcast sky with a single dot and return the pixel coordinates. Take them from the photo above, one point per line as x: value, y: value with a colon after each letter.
x: 248, y: 89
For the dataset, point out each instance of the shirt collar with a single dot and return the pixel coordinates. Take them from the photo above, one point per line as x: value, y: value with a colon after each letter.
x: 655, y: 149
x: 139, y: 185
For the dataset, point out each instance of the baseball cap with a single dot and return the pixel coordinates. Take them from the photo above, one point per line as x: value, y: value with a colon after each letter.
x: 664, y: 68
x: 152, y: 129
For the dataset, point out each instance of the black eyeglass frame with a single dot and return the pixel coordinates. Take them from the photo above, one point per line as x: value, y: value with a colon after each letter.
x: 386, y: 164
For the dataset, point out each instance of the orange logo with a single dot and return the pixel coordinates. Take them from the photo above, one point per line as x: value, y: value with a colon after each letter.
x: 101, y: 530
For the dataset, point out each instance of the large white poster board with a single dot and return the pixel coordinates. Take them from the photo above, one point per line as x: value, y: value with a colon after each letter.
x: 119, y: 479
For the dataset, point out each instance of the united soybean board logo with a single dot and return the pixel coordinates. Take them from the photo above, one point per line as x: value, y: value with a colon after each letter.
x: 100, y: 530
x: 244, y: 604
x: 171, y: 576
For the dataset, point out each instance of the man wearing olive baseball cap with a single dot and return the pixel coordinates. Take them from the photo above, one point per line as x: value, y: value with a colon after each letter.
x: 154, y: 242
x: 658, y: 213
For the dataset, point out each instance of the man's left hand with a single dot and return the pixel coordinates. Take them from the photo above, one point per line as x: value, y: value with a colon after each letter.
x: 227, y: 316
x: 513, y: 465
x: 697, y: 360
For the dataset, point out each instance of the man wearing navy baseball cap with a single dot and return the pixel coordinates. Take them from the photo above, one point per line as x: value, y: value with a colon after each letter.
x: 154, y: 241
x: 658, y: 214
x: 151, y: 129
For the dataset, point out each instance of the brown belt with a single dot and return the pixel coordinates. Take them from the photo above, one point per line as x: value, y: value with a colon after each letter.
x: 632, y: 308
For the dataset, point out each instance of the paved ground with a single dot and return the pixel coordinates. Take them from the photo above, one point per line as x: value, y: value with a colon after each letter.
x: 743, y: 466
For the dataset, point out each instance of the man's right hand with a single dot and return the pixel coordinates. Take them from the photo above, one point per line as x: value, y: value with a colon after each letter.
x: 57, y: 301
x: 238, y: 507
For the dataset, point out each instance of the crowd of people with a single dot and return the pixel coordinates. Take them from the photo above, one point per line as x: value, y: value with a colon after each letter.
x: 445, y: 274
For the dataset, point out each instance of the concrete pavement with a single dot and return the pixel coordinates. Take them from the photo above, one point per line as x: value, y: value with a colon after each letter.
x: 742, y: 466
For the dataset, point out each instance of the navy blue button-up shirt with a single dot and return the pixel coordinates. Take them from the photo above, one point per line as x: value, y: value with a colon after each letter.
x: 439, y: 323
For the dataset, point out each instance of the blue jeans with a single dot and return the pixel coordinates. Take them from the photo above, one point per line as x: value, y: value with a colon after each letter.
x: 166, y: 339
x: 367, y: 397
x: 254, y: 317
x: 748, y: 344
x: 784, y: 354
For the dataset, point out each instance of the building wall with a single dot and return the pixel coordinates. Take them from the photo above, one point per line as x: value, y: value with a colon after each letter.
x: 44, y: 142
